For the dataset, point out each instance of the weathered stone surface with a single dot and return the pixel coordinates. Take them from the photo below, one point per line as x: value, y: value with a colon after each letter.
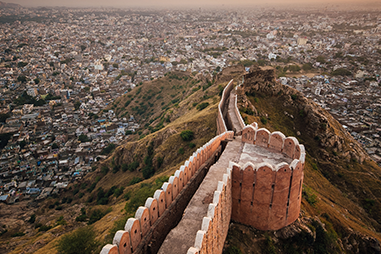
x: 180, y: 175
x: 109, y: 249
x: 167, y: 188
x: 296, y: 186
x: 262, y: 137
x: 133, y: 228
x: 276, y: 141
x: 122, y: 240
x: 160, y: 197
x: 142, y: 214
x: 151, y: 204
x: 175, y: 185
x: 248, y: 134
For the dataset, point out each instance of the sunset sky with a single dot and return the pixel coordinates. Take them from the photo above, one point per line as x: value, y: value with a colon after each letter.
x: 175, y: 3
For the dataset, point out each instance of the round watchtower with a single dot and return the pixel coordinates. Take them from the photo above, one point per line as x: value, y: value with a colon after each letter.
x: 267, y: 181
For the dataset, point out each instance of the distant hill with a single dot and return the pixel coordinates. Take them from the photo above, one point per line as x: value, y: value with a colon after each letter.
x: 9, y: 5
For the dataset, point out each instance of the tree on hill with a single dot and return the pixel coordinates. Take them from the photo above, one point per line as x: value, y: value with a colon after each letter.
x: 21, y: 78
x: 341, y: 72
x: 320, y: 59
x: 77, y: 104
x: 83, y: 138
x: 80, y: 241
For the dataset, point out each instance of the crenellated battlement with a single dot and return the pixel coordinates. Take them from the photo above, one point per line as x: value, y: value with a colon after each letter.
x: 256, y: 181
x: 146, y: 217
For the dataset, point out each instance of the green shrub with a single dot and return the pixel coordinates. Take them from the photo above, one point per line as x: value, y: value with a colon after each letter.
x: 115, y: 169
x: 127, y: 196
x: 248, y: 111
x: 203, y: 105
x: 80, y: 241
x: 105, y: 170
x: 17, y: 234
x: 263, y: 120
x: 187, y: 135
x: 92, y: 187
x: 133, y: 166
x: 95, y: 216
x: 108, y: 149
x: 309, y: 196
x: 118, y: 191
x: 148, y: 171
x: 294, y: 96
x: 192, y: 145
x: 269, y: 245
x: 81, y: 218
x: 44, y: 228
x: 139, y: 197
x: 341, y: 72
x: 180, y: 151
x: 160, y: 161
x: 135, y: 180
x: 61, y: 221
x: 233, y: 250
x: 32, y: 219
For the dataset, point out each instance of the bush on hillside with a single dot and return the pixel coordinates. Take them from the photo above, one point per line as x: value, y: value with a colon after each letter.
x: 187, y: 135
x: 203, y: 105
x: 80, y: 241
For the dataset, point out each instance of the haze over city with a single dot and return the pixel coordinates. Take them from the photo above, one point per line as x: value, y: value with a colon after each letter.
x: 183, y: 3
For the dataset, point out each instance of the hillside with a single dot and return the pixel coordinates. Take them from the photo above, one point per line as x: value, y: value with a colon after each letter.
x: 132, y: 172
x: 9, y: 5
x: 341, y: 192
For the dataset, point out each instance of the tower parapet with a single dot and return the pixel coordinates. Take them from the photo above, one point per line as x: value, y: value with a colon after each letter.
x: 262, y: 190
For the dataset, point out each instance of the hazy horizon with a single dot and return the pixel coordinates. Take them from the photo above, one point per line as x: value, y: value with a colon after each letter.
x: 181, y: 3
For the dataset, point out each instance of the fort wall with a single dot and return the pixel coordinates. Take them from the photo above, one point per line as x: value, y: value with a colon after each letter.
x: 222, y: 112
x: 261, y: 192
x: 146, y: 231
x: 263, y: 195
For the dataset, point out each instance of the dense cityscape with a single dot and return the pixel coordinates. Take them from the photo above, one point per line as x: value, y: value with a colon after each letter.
x: 61, y: 68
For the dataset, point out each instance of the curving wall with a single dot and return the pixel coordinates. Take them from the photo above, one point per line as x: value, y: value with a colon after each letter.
x: 262, y: 195
x: 215, y: 225
x: 237, y: 113
x: 221, y: 124
x: 127, y: 240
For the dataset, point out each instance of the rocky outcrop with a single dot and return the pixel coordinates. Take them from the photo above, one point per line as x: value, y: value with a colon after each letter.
x: 317, y: 122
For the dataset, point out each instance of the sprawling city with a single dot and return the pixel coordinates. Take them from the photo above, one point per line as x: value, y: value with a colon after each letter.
x: 62, y: 68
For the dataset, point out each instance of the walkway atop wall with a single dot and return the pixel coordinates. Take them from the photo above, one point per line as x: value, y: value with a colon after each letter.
x: 232, y: 114
x: 182, y: 236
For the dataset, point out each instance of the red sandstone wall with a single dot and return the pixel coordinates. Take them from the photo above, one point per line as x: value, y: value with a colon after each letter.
x: 127, y: 240
x: 211, y: 238
x: 221, y: 125
x: 236, y: 111
x: 265, y: 196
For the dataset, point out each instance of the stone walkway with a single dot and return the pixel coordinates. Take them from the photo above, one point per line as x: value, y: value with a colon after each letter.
x: 183, y: 236
x: 232, y: 115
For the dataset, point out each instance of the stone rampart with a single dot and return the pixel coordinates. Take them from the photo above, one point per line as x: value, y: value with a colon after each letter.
x: 261, y: 192
x: 158, y: 211
x: 262, y: 188
x: 221, y: 124
x: 238, y: 114
x: 272, y: 193
x: 215, y: 225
